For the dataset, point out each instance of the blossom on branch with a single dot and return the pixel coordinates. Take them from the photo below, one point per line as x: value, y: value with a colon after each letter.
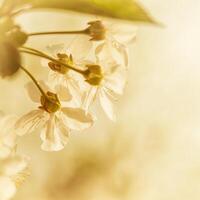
x: 106, y: 80
x: 65, y: 81
x: 54, y: 121
x: 113, y: 39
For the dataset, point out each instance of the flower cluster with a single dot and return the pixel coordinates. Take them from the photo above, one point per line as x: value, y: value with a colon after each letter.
x: 92, y: 68
x: 75, y: 82
x: 13, y: 167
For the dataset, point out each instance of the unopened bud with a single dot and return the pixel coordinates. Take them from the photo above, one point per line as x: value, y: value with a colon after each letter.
x: 16, y: 36
x: 9, y: 59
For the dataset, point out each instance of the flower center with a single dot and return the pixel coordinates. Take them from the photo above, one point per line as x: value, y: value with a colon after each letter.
x: 50, y: 102
x: 93, y: 75
x: 65, y: 59
x: 96, y: 30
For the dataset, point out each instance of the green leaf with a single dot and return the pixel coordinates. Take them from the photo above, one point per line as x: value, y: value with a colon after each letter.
x: 120, y: 9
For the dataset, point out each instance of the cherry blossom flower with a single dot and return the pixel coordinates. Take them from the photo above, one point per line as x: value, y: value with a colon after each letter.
x: 113, y: 39
x: 13, y: 171
x: 7, y: 135
x: 106, y: 81
x: 62, y: 79
x: 54, y: 121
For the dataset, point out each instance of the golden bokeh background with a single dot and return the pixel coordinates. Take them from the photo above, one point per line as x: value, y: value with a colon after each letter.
x: 153, y: 151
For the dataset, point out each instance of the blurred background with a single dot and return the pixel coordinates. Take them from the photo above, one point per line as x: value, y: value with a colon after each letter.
x: 153, y: 151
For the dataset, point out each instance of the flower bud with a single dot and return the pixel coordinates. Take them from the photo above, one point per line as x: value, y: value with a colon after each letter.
x: 16, y: 36
x: 96, y: 30
x: 9, y: 59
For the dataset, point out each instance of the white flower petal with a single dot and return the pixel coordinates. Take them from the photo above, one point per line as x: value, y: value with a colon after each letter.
x: 33, y: 92
x: 122, y: 50
x: 75, y: 92
x: 7, y: 133
x: 76, y: 118
x: 54, y: 135
x: 115, y: 79
x: 5, y: 151
x: 123, y: 33
x: 31, y: 121
x: 7, y: 188
x: 107, y: 105
x: 88, y: 98
x: 54, y: 79
x: 54, y: 49
x: 80, y: 47
x: 63, y: 93
x: 103, y: 51
x: 14, y: 165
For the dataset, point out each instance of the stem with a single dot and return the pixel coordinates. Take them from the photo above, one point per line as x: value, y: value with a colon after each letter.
x: 58, y: 33
x: 34, y: 50
x: 34, y: 80
x: 31, y: 53
x: 38, y: 53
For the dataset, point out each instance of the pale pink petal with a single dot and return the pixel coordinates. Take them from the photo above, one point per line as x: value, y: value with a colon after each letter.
x: 99, y: 48
x: 64, y: 131
x: 76, y: 118
x: 107, y: 105
x: 31, y: 121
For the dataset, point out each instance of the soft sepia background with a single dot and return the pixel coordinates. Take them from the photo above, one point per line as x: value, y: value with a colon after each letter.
x: 153, y: 151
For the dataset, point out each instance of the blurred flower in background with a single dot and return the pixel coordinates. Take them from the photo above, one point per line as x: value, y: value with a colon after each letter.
x: 13, y: 167
x: 93, y: 171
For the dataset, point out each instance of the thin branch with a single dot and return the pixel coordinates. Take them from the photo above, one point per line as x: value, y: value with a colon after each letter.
x: 38, y: 53
x: 58, y: 33
x: 34, y: 80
